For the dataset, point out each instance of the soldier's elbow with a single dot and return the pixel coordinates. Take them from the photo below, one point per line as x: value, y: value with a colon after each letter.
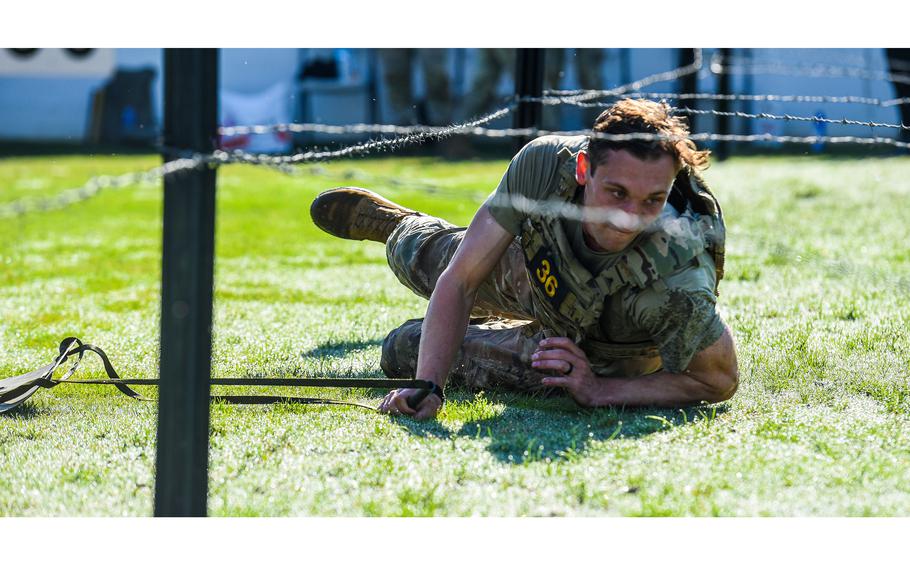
x: 723, y: 386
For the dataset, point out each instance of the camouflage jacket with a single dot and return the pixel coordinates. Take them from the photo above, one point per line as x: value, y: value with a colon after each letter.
x: 568, y: 299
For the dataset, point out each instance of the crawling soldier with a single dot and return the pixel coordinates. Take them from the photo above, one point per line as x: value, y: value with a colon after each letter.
x: 608, y: 291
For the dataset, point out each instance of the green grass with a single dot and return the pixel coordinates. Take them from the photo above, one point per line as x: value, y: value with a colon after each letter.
x: 817, y: 293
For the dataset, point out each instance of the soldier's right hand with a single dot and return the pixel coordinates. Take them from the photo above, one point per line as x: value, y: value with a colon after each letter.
x: 396, y: 402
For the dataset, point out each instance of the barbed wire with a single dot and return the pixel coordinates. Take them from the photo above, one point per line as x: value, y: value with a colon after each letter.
x: 746, y: 66
x: 671, y: 75
x: 289, y: 164
x: 363, y: 128
x: 394, y: 183
x: 285, y: 163
x: 873, y: 141
x: 788, y: 117
x: 898, y: 64
x: 298, y: 127
x: 701, y: 136
x: 476, y: 131
x: 96, y: 185
x: 871, y: 101
x: 408, y: 135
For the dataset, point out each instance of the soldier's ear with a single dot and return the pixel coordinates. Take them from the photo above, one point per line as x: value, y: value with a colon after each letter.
x: 581, y: 168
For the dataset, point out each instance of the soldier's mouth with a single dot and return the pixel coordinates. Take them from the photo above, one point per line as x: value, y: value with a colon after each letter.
x: 622, y: 231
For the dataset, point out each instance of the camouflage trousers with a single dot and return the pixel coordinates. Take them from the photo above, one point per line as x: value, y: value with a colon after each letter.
x: 502, y: 335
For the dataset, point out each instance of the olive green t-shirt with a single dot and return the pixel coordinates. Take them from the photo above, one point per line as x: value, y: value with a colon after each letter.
x: 679, y: 316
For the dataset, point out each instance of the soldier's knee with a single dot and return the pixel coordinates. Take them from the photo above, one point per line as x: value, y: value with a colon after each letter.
x: 399, y: 350
x: 420, y: 249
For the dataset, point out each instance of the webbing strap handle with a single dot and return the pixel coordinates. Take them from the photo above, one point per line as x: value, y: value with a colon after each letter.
x: 108, y: 368
x: 15, y: 390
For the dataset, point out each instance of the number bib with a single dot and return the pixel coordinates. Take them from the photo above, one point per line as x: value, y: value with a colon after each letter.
x: 546, y: 274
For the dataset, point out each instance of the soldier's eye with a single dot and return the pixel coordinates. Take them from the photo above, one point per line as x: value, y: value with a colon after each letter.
x: 618, y: 193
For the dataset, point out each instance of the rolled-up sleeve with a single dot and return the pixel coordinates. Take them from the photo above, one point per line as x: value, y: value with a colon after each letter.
x: 528, y: 176
x: 682, y: 324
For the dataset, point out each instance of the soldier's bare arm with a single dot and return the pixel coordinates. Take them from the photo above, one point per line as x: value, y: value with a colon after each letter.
x: 446, y: 321
x: 712, y: 376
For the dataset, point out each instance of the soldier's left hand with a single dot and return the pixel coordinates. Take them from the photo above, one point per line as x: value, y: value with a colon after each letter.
x: 396, y: 402
x: 560, y: 354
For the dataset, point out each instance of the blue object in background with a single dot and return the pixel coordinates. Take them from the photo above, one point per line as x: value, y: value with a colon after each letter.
x: 128, y: 119
x: 821, y: 129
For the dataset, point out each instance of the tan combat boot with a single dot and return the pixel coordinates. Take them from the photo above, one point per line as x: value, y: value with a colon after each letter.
x: 358, y: 214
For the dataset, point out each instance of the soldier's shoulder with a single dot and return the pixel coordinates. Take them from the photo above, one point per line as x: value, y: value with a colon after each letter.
x: 697, y: 277
x: 551, y: 145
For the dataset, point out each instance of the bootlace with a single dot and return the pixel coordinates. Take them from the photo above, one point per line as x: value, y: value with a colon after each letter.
x: 377, y: 219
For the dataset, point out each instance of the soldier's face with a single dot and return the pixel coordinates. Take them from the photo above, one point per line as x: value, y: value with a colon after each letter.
x: 622, y: 197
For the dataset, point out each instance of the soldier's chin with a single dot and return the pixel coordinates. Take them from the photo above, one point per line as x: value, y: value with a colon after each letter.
x: 611, y: 239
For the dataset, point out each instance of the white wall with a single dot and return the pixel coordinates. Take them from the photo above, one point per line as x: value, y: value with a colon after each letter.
x: 48, y: 94
x: 41, y: 102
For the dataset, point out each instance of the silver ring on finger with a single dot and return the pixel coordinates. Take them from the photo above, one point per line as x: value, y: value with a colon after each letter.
x: 571, y: 368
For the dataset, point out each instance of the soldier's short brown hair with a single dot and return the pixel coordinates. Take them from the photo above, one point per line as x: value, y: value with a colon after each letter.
x: 635, y: 116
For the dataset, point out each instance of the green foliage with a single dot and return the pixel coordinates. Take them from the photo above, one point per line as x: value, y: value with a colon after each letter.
x: 817, y: 294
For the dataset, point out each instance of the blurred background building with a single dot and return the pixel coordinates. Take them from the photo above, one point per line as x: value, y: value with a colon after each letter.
x: 113, y: 97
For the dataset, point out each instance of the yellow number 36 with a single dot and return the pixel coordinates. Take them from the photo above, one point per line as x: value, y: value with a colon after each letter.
x: 548, y: 280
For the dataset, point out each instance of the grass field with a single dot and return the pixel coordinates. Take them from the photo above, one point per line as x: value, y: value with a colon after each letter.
x: 817, y: 294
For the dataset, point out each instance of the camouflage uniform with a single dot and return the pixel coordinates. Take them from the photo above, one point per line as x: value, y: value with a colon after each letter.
x: 502, y: 336
x: 648, y: 307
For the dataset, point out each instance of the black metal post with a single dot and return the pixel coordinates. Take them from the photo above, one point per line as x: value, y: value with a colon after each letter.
x: 528, y: 83
x: 723, y: 105
x: 190, y: 122
x: 625, y: 66
x: 372, y: 85
x: 899, y: 65
x: 747, y: 87
x: 688, y: 84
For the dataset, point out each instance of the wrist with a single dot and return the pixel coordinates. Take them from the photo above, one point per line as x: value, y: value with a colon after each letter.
x: 437, y: 389
x: 599, y: 392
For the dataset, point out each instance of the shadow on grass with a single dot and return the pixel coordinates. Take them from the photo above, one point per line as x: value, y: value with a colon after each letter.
x: 300, y: 372
x: 25, y: 410
x: 539, y: 429
x: 340, y: 348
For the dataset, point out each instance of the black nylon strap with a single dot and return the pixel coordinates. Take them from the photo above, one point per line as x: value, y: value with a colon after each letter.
x: 281, y: 382
x: 266, y: 399
x: 108, y: 368
x: 15, y: 390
